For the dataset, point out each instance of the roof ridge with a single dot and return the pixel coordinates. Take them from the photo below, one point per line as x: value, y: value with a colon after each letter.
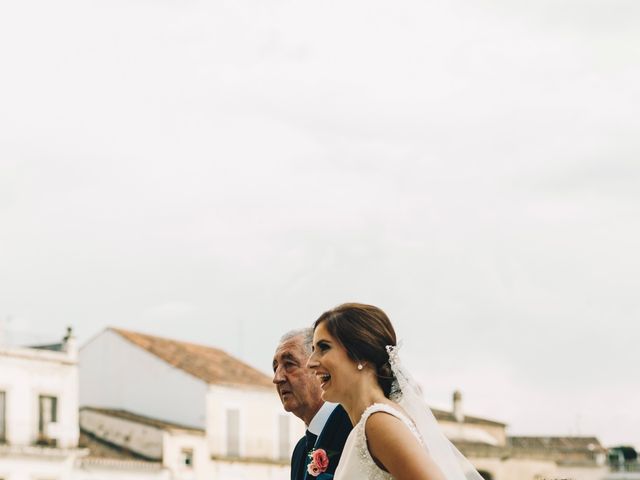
x: 168, y: 339
x: 210, y: 364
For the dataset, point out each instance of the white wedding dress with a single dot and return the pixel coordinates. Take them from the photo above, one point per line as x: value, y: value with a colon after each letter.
x: 356, y: 462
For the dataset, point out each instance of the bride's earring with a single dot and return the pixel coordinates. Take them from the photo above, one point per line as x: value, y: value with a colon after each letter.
x: 360, y: 367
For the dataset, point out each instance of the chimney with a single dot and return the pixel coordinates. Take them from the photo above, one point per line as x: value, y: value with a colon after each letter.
x: 457, y: 406
x: 70, y: 344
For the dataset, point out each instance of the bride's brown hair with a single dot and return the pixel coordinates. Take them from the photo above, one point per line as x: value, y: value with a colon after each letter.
x: 364, y: 331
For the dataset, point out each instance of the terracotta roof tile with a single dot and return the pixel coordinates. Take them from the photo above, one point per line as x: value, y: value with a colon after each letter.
x: 209, y: 364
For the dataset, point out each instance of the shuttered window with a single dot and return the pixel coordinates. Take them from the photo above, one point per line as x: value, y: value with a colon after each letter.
x: 233, y: 432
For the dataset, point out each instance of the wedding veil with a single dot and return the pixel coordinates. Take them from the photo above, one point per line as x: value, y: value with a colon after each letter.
x: 406, y: 393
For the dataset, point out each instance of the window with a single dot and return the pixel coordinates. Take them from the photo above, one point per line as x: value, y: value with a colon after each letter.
x: 47, y: 415
x: 3, y: 417
x: 233, y: 432
x: 186, y: 457
x: 283, y: 437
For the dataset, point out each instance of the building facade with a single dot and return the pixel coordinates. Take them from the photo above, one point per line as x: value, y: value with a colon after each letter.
x: 498, y: 456
x: 244, y: 431
x: 39, y: 411
x: 161, y: 409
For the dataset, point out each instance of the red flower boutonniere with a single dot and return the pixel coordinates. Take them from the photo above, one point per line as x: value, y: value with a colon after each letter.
x: 319, y: 462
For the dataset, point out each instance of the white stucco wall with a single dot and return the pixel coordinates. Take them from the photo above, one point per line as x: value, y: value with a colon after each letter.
x: 173, y: 444
x: 516, y: 468
x: 535, y: 469
x: 115, y: 373
x: 244, y: 471
x: 25, y: 374
x: 35, y: 463
x: 107, y: 469
x: 259, y: 412
x: 583, y: 473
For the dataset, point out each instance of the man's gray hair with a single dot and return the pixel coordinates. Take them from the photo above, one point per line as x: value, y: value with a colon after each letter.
x: 305, y: 333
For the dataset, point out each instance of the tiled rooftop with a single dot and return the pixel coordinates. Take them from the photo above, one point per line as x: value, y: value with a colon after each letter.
x: 566, y: 444
x: 212, y: 365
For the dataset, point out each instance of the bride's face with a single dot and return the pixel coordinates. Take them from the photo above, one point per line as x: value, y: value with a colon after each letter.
x: 332, y: 365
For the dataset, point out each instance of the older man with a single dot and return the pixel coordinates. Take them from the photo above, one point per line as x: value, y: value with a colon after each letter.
x: 328, y: 425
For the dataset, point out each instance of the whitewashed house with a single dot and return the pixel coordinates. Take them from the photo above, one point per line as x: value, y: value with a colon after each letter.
x: 109, y: 462
x: 213, y: 411
x: 498, y: 456
x: 39, y: 411
x: 121, y: 442
x: 39, y: 432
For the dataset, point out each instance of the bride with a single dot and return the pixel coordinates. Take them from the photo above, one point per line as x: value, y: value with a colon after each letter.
x: 395, y: 435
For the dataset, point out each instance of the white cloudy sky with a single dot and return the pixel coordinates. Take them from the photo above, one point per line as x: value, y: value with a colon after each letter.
x: 223, y: 171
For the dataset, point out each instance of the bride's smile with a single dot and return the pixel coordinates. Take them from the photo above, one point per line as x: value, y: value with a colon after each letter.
x: 324, y: 379
x: 334, y: 369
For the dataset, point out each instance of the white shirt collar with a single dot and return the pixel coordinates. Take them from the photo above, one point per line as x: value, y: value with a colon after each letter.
x: 320, y: 419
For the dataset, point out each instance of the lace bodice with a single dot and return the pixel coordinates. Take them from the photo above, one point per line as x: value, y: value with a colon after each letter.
x: 356, y: 462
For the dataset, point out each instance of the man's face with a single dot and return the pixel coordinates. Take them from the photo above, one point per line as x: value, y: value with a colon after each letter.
x: 297, y: 385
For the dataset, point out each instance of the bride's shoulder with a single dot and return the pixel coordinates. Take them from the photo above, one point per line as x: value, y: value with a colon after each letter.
x: 391, y: 439
x: 383, y: 421
x: 380, y: 416
x: 392, y: 410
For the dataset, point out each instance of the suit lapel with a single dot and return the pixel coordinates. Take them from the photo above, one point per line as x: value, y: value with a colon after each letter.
x: 326, y: 438
x: 331, y: 438
x: 328, y: 432
x: 318, y: 443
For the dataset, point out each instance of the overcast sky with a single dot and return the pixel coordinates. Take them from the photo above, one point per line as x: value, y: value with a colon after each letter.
x: 224, y: 171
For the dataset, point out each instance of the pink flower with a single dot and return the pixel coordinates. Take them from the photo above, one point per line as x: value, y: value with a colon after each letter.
x: 313, y: 469
x: 320, y: 458
x: 319, y: 462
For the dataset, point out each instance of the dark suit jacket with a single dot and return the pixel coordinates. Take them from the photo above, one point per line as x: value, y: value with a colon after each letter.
x: 331, y: 439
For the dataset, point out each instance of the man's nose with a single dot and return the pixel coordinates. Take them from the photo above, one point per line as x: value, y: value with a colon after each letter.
x: 277, y: 376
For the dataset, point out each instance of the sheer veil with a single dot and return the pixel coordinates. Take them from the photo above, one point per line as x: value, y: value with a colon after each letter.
x: 406, y: 393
